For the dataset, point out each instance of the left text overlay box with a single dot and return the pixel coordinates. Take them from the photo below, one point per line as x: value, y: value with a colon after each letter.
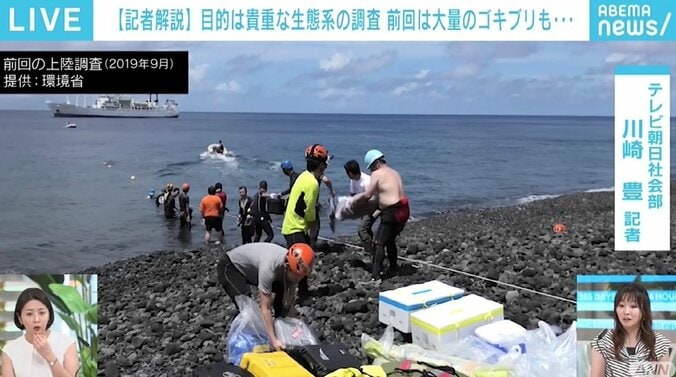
x: 93, y: 72
x: 642, y: 158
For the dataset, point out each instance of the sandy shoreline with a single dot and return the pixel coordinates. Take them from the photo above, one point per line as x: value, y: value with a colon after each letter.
x: 164, y: 313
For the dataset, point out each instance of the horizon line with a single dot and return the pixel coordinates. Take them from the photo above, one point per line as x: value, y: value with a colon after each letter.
x: 368, y: 114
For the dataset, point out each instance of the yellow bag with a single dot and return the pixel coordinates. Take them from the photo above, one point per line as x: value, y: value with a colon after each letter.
x: 363, y: 371
x: 272, y: 364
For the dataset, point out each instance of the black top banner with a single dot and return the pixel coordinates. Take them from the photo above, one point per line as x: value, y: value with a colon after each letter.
x: 94, y: 72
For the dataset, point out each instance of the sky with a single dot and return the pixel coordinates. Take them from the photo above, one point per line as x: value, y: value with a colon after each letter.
x: 516, y: 78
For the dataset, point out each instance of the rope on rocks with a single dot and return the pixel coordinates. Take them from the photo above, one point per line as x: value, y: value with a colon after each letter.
x: 460, y: 272
x: 446, y: 268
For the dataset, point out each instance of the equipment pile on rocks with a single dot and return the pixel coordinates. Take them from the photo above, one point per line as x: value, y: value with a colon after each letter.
x: 165, y: 314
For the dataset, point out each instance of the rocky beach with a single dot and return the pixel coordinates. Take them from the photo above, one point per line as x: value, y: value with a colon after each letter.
x: 163, y: 314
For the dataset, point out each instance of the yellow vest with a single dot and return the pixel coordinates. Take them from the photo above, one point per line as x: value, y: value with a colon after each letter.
x: 304, y: 195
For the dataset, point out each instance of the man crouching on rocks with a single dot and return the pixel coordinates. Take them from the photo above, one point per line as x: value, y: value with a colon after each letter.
x: 273, y: 269
x: 394, y: 209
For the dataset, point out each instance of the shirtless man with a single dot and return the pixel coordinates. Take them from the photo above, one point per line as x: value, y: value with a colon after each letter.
x: 393, y: 205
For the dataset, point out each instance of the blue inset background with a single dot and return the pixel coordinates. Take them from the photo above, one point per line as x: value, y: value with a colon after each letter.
x: 22, y: 15
x: 643, y: 70
x: 596, y: 295
x: 659, y: 25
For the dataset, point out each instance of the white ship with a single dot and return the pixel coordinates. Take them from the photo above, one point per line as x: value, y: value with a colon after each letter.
x: 116, y: 106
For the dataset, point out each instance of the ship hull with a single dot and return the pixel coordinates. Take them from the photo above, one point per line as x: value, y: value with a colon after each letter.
x: 62, y: 110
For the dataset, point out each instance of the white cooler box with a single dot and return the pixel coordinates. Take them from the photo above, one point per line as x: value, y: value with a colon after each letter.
x: 396, y: 306
x: 447, y: 322
x: 504, y: 335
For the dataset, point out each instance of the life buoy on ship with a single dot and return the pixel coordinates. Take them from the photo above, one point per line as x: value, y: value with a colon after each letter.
x: 159, y: 199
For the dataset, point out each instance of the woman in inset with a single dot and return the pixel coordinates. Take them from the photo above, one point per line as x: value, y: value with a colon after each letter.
x: 40, y: 351
x: 632, y: 348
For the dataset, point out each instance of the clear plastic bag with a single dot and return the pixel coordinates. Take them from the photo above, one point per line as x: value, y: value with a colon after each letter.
x: 565, y: 348
x: 346, y: 209
x: 332, y: 213
x: 343, y: 211
x: 547, y: 355
x: 473, y: 348
x: 378, y: 348
x: 247, y: 332
x: 293, y: 332
x: 384, y: 350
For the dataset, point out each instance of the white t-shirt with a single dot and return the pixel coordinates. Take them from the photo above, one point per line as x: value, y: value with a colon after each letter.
x: 357, y: 187
x: 27, y: 362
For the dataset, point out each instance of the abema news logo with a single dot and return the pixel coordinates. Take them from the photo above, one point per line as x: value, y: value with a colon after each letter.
x: 626, y: 20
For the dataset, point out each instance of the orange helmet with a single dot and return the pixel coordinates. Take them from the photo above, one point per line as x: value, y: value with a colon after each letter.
x: 317, y: 152
x: 559, y: 228
x: 300, y: 258
x: 185, y: 186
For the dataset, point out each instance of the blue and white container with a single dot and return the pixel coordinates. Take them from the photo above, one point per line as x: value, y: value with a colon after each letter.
x: 396, y: 306
x: 451, y: 321
x: 507, y: 336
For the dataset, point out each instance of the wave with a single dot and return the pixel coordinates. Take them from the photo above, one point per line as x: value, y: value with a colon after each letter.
x: 181, y: 164
x: 604, y: 189
x: 274, y: 165
x: 173, y: 169
x: 265, y: 164
x: 228, y: 156
x: 534, y: 198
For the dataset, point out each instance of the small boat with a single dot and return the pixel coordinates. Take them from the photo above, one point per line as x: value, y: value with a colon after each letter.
x: 70, y: 125
x: 216, y: 148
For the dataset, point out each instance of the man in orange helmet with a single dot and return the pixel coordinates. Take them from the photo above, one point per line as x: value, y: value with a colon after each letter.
x: 300, y: 218
x: 271, y: 268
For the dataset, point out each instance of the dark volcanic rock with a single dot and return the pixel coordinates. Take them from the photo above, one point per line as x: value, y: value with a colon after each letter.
x: 356, y: 307
x: 165, y: 313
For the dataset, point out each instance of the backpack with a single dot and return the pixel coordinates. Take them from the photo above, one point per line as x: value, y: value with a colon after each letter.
x: 409, y: 368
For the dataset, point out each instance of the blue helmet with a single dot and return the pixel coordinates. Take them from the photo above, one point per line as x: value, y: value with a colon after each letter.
x: 371, y: 156
x: 286, y: 165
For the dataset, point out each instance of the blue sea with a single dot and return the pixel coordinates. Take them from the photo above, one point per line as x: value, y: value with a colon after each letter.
x: 69, y: 200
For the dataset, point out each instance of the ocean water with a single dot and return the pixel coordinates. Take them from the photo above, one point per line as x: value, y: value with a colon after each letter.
x: 68, y: 200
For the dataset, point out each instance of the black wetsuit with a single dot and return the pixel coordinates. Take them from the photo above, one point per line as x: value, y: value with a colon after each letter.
x: 170, y: 206
x: 292, y: 180
x: 392, y: 222
x: 183, y: 203
x: 245, y: 220
x: 262, y: 219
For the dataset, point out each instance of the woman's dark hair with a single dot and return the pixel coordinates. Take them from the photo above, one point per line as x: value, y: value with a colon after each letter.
x: 634, y: 292
x: 28, y: 295
x: 211, y: 190
x: 352, y: 167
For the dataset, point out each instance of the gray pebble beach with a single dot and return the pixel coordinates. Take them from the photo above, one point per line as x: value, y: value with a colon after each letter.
x: 163, y: 314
